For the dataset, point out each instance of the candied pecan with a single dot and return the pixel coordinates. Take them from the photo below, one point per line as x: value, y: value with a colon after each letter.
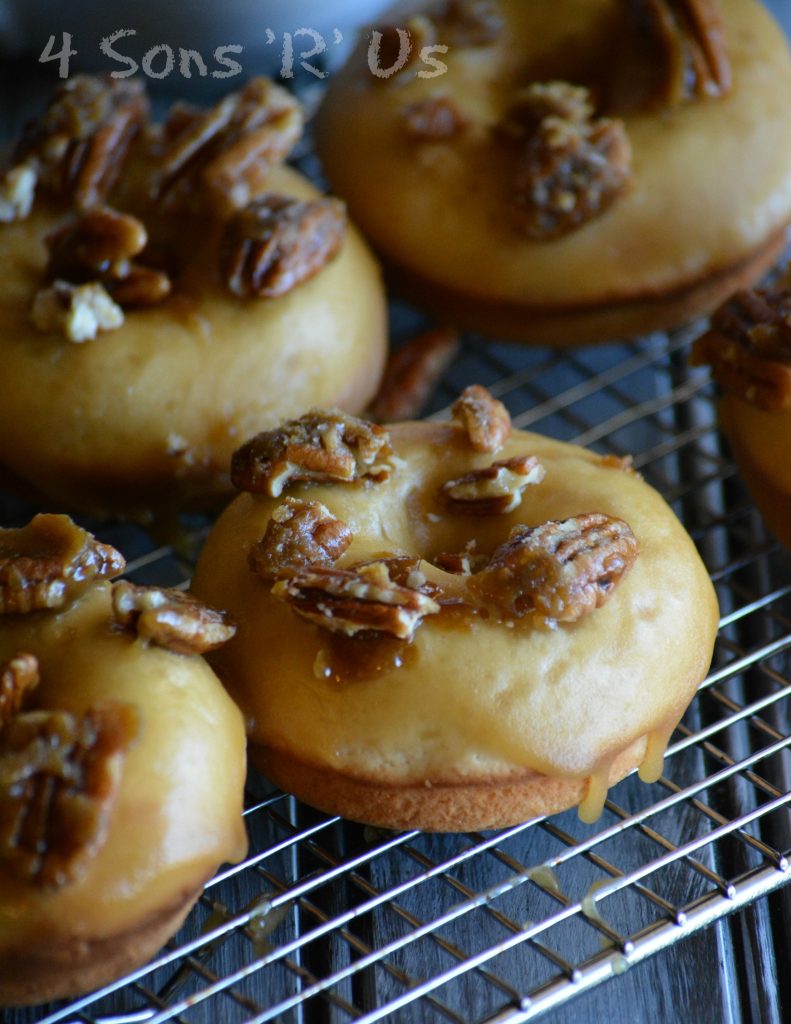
x: 98, y: 242
x: 59, y: 779
x: 570, y: 166
x: 276, y: 242
x: 77, y: 148
x: 494, y: 490
x: 17, y: 192
x: 677, y: 55
x: 78, y: 312
x: 412, y: 373
x: 169, y: 618
x: 50, y: 561
x: 485, y: 419
x: 358, y: 600
x: 320, y: 447
x: 469, y: 23
x: 436, y: 119
x: 559, y: 570
x: 229, y: 150
x: 17, y: 677
x: 749, y: 346
x: 99, y: 246
x: 299, y: 533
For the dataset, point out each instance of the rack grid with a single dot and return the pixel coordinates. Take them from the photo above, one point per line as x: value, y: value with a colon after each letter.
x: 331, y: 921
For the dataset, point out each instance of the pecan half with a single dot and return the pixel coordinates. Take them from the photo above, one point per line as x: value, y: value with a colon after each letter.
x: 559, y: 570
x: 49, y: 562
x: 436, y: 119
x: 228, y: 152
x: 749, y: 346
x: 320, y: 447
x: 77, y: 148
x: 485, y: 419
x: 276, y: 242
x: 78, y: 312
x: 494, y: 490
x: 100, y: 246
x: 469, y: 23
x: 59, y: 779
x: 412, y: 373
x: 681, y: 46
x: 570, y: 166
x: 17, y: 677
x: 356, y: 601
x: 300, y: 533
x: 169, y: 618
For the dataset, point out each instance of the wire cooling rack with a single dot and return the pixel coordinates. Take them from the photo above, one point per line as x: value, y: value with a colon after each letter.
x: 329, y: 921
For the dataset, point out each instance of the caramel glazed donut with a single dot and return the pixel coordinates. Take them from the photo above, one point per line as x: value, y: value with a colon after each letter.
x: 581, y: 170
x: 167, y: 292
x: 122, y: 763
x: 450, y: 626
x: 749, y: 349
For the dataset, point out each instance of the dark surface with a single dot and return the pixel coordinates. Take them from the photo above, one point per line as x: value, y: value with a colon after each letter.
x: 736, y: 970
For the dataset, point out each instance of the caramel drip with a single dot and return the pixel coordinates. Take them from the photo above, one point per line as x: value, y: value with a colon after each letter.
x: 592, y: 804
x: 651, y: 766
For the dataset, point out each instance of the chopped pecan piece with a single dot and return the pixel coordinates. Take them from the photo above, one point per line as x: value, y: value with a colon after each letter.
x: 412, y: 373
x: 436, y: 119
x: 17, y: 192
x: 77, y: 148
x: 276, y: 242
x: 78, y: 312
x: 50, y: 561
x: 59, y: 779
x: 469, y: 23
x: 680, y: 47
x: 17, y: 677
x: 99, y: 246
x: 355, y: 601
x: 494, y: 490
x: 559, y: 570
x: 169, y: 618
x: 300, y: 533
x: 228, y: 152
x: 461, y: 563
x: 320, y: 447
x: 570, y: 166
x: 749, y: 346
x: 486, y: 420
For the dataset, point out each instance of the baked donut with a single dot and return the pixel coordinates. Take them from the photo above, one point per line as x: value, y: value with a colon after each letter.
x: 122, y: 763
x: 748, y: 346
x: 168, y: 291
x: 450, y: 626
x: 566, y: 172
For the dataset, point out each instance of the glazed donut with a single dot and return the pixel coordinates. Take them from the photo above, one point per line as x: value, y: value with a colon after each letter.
x: 449, y: 626
x: 151, y: 323
x: 122, y: 763
x: 580, y: 170
x: 748, y: 346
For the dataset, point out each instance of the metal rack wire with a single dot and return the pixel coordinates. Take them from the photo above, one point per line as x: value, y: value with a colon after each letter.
x: 328, y: 921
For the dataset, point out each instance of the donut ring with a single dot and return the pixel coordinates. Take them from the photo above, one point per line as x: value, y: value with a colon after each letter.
x: 146, y: 414
x: 113, y: 815
x: 403, y: 656
x: 444, y: 172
